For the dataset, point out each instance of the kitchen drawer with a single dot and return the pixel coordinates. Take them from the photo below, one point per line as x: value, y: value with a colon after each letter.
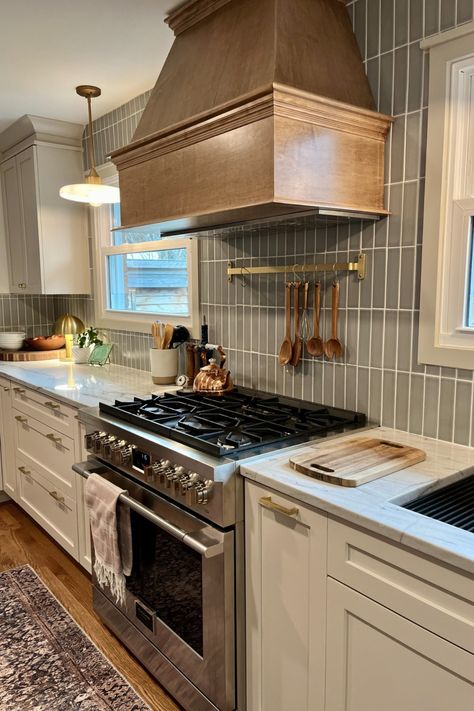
x: 428, y: 593
x: 51, y: 507
x: 5, y: 384
x: 47, y: 450
x: 52, y: 412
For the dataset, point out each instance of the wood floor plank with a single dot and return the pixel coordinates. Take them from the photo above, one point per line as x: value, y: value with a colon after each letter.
x: 23, y: 542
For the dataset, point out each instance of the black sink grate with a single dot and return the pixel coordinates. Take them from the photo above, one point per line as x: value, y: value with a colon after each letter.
x: 454, y: 504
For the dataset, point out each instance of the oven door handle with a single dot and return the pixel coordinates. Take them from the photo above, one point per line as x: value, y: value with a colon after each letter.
x: 206, y: 541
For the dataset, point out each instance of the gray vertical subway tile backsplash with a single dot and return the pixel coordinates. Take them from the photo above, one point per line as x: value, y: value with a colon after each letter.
x: 379, y: 372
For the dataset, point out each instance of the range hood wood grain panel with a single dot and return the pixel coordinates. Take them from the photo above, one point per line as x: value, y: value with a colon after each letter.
x: 262, y: 105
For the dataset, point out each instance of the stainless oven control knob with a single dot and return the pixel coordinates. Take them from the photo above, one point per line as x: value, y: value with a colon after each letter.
x: 203, y: 492
x: 186, y: 482
x: 115, y: 447
x: 172, y: 474
x: 180, y: 474
x: 93, y: 440
x: 105, y: 446
x: 153, y: 470
x: 90, y: 438
x: 122, y: 455
x: 97, y: 443
x: 126, y: 454
x: 161, y: 468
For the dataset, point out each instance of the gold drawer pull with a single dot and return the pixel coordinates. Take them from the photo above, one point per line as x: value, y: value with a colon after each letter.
x: 20, y: 418
x: 54, y: 438
x: 267, y: 503
x: 24, y: 470
x: 52, y: 405
x: 19, y: 391
x: 57, y: 497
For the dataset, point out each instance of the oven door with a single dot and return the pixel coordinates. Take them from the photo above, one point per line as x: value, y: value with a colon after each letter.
x: 180, y: 593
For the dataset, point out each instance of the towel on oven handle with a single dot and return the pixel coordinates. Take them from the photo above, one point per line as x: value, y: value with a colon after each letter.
x: 111, y: 534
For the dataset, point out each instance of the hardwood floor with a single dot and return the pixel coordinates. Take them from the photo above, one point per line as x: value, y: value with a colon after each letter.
x: 23, y: 542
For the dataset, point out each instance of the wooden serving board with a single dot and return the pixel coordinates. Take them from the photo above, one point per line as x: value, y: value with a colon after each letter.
x: 21, y: 356
x: 356, y: 462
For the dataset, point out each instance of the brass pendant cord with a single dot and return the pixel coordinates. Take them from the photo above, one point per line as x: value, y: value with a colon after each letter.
x: 90, y: 147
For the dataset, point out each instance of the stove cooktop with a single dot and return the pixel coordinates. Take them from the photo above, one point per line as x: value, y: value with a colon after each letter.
x: 241, y: 423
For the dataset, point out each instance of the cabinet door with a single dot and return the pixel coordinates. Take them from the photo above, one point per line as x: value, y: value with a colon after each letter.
x: 7, y: 440
x: 377, y: 659
x: 285, y: 601
x: 27, y: 182
x: 14, y: 231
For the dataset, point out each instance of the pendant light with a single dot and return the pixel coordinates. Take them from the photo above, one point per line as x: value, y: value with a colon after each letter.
x: 91, y: 190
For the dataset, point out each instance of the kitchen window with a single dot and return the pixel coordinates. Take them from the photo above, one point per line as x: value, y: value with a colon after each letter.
x: 141, y: 276
x: 447, y: 284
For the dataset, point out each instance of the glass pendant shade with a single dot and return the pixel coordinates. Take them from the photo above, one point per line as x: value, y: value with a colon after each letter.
x: 94, y: 193
x: 92, y: 190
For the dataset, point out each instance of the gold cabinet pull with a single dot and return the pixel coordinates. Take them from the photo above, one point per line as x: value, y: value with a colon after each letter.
x: 20, y: 418
x: 19, y: 391
x: 54, y: 438
x: 267, y: 503
x: 57, y: 497
x: 52, y: 405
x: 24, y: 470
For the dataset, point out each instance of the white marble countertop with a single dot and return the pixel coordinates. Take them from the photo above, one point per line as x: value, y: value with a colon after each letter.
x: 374, y: 505
x: 83, y: 385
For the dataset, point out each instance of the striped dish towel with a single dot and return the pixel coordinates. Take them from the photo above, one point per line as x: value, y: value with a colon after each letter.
x: 111, y: 534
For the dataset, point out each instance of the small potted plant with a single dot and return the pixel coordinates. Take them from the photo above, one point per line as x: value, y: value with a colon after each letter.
x: 84, y: 344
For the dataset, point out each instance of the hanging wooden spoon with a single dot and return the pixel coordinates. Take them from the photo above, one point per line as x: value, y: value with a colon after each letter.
x: 298, y: 344
x: 286, y: 349
x: 333, y: 346
x: 315, y: 345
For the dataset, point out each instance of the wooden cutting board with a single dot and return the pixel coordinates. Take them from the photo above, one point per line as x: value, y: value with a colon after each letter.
x: 21, y: 356
x: 356, y: 462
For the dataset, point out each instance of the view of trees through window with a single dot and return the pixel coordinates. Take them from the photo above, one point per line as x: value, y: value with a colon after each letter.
x: 152, y: 281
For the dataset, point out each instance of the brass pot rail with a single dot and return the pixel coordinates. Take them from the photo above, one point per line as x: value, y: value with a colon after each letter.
x: 358, y: 266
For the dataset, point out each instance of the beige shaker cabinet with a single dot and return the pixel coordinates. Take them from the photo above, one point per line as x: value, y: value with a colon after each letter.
x: 41, y: 438
x: 7, y: 451
x: 286, y: 602
x: 46, y: 236
x: 340, y: 618
x: 377, y: 659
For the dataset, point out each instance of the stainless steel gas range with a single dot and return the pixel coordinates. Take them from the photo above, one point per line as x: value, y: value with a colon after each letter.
x: 178, y: 456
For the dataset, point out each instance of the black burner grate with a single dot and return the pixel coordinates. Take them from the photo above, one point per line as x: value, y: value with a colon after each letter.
x: 242, y: 421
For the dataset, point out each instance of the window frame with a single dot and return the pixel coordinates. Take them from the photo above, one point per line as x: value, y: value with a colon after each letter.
x: 133, y: 321
x: 444, y: 337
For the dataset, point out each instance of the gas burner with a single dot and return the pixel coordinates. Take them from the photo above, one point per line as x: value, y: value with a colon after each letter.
x: 236, y: 439
x: 200, y: 425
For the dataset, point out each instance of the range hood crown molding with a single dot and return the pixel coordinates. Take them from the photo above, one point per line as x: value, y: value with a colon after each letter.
x: 257, y: 107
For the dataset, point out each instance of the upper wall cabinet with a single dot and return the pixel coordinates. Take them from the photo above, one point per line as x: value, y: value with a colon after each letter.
x: 46, y: 235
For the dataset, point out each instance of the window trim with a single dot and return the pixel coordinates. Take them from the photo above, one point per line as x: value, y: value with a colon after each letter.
x: 124, y: 320
x: 444, y: 339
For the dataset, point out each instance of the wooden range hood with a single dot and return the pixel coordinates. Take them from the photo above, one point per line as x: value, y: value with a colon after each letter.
x: 262, y: 109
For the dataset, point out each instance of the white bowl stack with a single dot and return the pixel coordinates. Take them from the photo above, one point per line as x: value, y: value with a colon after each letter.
x: 11, y: 340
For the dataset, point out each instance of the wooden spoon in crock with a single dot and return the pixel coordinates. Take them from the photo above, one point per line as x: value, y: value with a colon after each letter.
x: 314, y: 345
x: 298, y: 344
x: 333, y: 346
x: 286, y: 349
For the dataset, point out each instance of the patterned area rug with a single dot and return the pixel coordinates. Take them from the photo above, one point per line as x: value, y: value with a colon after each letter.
x: 46, y: 662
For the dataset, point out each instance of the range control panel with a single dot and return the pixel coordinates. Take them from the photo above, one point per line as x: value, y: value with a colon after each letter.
x: 160, y: 474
